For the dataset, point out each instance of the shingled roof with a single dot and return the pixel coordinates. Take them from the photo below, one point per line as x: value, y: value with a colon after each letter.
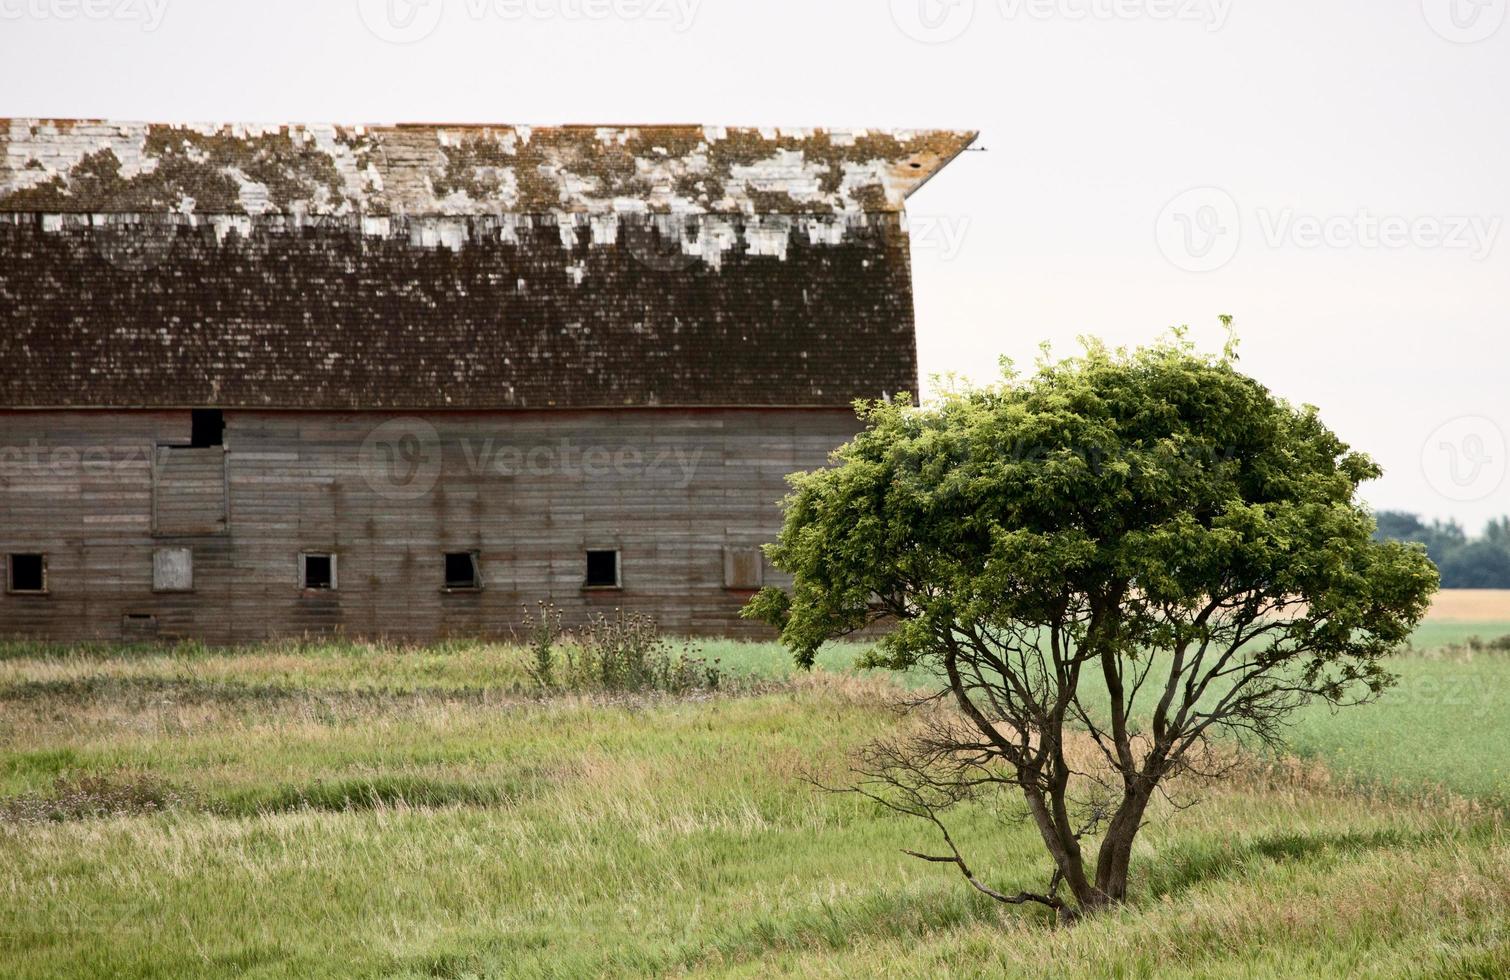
x: 346, y: 267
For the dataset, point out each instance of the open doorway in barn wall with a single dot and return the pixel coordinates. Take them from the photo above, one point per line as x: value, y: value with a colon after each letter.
x: 189, y: 491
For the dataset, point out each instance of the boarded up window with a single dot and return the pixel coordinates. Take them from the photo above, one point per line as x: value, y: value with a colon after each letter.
x: 173, y: 570
x: 743, y: 568
x: 138, y: 627
x: 188, y: 491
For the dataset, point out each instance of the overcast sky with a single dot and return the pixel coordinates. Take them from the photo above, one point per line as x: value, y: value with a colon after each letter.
x: 1335, y: 173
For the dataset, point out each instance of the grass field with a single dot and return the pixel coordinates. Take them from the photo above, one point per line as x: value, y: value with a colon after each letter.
x: 338, y: 810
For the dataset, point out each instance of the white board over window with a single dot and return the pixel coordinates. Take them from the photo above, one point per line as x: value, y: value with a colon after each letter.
x: 173, y: 570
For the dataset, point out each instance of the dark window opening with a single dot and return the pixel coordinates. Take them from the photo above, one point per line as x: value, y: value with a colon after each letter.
x: 319, y: 572
x: 208, y: 428
x: 602, y: 570
x: 462, y: 572
x: 26, y: 573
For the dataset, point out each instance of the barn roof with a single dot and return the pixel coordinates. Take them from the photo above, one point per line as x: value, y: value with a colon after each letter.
x: 308, y: 266
x: 95, y: 166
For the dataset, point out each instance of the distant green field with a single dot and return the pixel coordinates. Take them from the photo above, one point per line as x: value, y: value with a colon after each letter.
x: 1434, y: 635
x: 342, y: 810
x: 1445, y: 724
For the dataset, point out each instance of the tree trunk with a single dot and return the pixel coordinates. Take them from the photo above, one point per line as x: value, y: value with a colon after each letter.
x: 1116, y: 847
x: 1065, y: 850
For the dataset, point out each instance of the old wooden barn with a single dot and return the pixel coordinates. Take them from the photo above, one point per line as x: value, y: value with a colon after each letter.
x: 402, y: 381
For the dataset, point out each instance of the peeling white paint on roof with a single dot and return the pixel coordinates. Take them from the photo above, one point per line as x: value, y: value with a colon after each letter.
x: 463, y: 170
x: 705, y: 190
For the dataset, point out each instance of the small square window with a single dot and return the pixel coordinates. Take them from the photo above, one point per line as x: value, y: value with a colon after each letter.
x: 173, y: 570
x: 26, y: 573
x: 602, y: 570
x: 463, y: 571
x: 317, y: 571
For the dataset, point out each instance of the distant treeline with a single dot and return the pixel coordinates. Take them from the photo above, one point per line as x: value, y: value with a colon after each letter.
x: 1466, y: 563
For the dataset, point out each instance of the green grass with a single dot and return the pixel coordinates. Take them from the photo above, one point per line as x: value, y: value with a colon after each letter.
x: 340, y: 810
x: 1444, y: 725
x: 1434, y: 635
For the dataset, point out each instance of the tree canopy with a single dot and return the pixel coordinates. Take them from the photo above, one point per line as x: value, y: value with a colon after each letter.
x: 1153, y: 520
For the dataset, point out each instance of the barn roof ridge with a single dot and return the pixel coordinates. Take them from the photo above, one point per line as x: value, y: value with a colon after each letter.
x: 51, y: 166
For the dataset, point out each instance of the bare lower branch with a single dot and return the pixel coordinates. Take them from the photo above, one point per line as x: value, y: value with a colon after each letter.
x: 1021, y: 898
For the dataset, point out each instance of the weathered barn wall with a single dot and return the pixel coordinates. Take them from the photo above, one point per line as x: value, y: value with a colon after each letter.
x: 671, y: 489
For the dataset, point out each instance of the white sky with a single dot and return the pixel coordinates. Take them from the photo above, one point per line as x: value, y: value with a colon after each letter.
x: 1380, y: 126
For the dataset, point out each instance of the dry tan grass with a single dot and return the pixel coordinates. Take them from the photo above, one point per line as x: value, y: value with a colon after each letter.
x: 1470, y: 606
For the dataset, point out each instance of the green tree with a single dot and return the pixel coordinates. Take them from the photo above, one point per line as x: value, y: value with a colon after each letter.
x: 1441, y: 538
x: 1144, y: 549
x: 1480, y: 563
x: 1483, y: 564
